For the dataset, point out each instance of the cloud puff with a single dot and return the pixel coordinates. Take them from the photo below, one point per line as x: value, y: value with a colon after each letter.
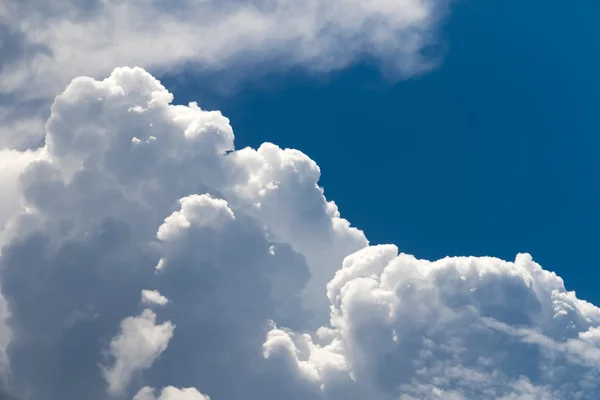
x: 274, y: 294
x: 170, y: 393
x: 140, y: 342
x: 154, y: 297
x: 200, y: 210
x: 12, y: 164
x: 43, y: 40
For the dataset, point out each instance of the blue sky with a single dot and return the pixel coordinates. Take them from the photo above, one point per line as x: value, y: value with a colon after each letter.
x: 145, y: 257
x: 493, y: 153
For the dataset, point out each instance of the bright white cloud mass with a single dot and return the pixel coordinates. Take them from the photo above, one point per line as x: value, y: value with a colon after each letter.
x: 136, y: 348
x: 154, y: 297
x: 258, y: 288
x: 44, y: 44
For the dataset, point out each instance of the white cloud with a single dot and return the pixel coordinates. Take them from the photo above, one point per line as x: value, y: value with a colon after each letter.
x: 102, y: 209
x: 170, y: 393
x: 48, y: 44
x: 460, y: 328
x: 154, y: 297
x: 12, y: 164
x: 280, y: 188
x: 201, y: 210
x: 274, y: 294
x: 140, y: 342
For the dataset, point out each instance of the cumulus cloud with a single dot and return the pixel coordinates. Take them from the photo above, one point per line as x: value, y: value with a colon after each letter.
x: 12, y: 164
x: 154, y: 297
x: 140, y: 342
x: 170, y: 393
x: 274, y: 294
x: 45, y: 45
x: 200, y: 210
x: 456, y: 328
x: 129, y: 181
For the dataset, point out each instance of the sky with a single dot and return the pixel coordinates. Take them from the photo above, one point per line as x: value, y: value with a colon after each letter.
x: 330, y: 200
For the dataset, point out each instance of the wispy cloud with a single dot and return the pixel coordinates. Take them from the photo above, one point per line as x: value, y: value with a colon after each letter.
x: 46, y: 44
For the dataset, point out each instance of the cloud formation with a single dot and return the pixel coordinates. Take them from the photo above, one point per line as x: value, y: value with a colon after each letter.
x: 154, y: 297
x: 268, y: 292
x: 456, y: 328
x: 140, y: 342
x: 45, y: 45
x: 170, y: 393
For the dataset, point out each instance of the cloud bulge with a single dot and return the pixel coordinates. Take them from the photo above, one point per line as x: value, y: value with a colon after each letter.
x: 144, y: 257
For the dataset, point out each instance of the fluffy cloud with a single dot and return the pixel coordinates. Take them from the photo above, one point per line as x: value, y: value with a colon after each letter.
x: 129, y: 181
x: 273, y: 294
x: 154, y: 297
x: 12, y: 164
x: 170, y: 393
x: 64, y: 39
x: 140, y: 342
x: 456, y: 328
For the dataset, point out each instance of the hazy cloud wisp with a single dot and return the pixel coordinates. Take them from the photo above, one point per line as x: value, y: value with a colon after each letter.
x: 46, y: 44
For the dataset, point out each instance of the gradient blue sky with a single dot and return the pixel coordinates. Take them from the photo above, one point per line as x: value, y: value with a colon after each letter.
x: 494, y: 153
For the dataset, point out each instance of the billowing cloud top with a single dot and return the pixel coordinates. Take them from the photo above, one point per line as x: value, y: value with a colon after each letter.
x: 145, y: 258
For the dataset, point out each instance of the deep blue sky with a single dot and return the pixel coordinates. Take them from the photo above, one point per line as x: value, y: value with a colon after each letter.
x: 494, y: 153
